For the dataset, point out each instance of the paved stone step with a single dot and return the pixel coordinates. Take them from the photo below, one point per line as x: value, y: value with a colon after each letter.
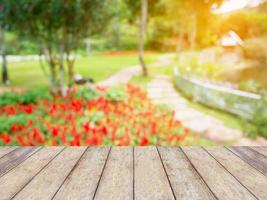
x: 259, y: 141
x: 188, y: 114
x: 222, y: 134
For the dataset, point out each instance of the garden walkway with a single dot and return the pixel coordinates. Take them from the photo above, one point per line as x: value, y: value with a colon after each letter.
x: 161, y: 90
x: 133, y: 173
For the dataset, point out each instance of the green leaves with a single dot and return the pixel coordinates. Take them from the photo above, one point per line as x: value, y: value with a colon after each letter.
x: 115, y: 94
x: 28, y: 97
x: 7, y: 122
x: 86, y: 93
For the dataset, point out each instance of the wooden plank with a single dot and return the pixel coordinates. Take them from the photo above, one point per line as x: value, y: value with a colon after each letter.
x: 252, y: 157
x: 16, y: 179
x: 48, y: 181
x: 82, y: 183
x: 15, y: 157
x: 150, y: 180
x: 261, y: 150
x: 6, y: 150
x: 117, y: 178
x: 220, y: 181
x: 185, y: 181
x: 252, y: 179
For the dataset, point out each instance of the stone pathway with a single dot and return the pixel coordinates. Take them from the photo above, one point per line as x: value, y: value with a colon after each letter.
x: 124, y: 76
x: 121, y: 77
x: 162, y: 91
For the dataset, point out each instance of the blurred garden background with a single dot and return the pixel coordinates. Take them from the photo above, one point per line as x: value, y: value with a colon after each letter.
x: 133, y: 72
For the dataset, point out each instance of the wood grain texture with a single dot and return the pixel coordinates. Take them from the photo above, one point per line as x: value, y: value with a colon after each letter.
x: 15, y: 157
x: 6, y: 150
x: 48, y: 181
x: 150, y: 181
x: 82, y: 183
x: 220, y: 181
x: 16, y: 179
x: 117, y: 178
x: 252, y: 179
x: 252, y: 157
x: 133, y: 173
x: 185, y: 181
x: 261, y: 150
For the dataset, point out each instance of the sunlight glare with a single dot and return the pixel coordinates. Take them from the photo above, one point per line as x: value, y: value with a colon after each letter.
x: 231, y: 5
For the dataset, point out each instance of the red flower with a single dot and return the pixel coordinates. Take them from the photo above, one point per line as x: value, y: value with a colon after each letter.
x: 20, y: 140
x: 29, y: 123
x: 153, y: 128
x: 144, y: 141
x: 87, y: 127
x: 92, y: 141
x: 55, y: 131
x: 19, y: 127
x: 6, y: 138
x: 11, y: 110
x: 13, y: 128
x: 28, y: 109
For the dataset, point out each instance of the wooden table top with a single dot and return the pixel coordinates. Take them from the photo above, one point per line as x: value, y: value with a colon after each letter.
x: 133, y: 173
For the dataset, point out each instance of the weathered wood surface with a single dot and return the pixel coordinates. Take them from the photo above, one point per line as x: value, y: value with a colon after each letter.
x: 133, y: 173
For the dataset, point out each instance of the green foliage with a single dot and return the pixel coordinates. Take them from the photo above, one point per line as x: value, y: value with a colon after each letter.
x: 191, y: 65
x: 251, y: 85
x: 86, y: 93
x: 260, y: 118
x: 256, y: 49
x: 259, y: 124
x: 9, y: 98
x: 188, y: 19
x: 7, y: 122
x: 115, y: 94
x: 28, y: 97
x: 246, y: 24
x: 96, y: 117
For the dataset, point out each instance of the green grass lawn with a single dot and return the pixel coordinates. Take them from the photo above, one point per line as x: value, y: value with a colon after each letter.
x: 29, y: 74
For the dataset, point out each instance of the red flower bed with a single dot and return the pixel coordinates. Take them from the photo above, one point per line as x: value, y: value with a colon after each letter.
x: 104, y: 118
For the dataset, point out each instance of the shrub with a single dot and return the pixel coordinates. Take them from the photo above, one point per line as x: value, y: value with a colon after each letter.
x: 7, y: 123
x: 114, y: 117
x: 115, y: 94
x: 26, y: 98
x: 86, y: 93
x: 256, y: 49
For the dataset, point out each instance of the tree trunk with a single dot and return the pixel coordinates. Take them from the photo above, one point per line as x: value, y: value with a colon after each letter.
x: 61, y: 69
x: 179, y: 44
x: 88, y: 46
x: 143, y: 19
x: 3, y: 54
x: 70, y: 63
x: 52, y: 64
x: 42, y: 65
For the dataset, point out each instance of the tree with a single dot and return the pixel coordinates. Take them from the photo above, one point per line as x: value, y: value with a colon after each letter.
x: 139, y: 9
x: 58, y: 27
x: 190, y: 18
x: 142, y: 32
x: 3, y: 46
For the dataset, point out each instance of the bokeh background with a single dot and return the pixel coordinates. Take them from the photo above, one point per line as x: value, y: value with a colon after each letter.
x: 199, y: 66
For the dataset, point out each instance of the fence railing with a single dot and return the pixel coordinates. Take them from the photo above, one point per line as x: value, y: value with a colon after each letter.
x: 244, y: 104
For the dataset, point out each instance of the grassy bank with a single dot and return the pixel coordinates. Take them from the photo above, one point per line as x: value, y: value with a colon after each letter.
x: 29, y: 74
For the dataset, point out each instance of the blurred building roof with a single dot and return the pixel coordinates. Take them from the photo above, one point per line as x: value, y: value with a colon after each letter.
x: 231, y: 39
